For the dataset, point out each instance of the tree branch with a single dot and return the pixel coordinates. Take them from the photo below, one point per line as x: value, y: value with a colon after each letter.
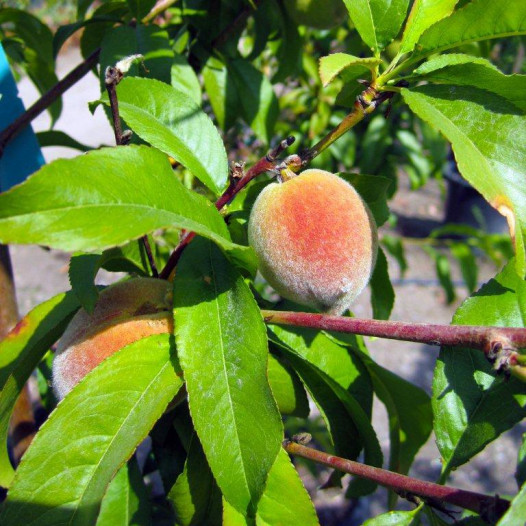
x: 112, y: 77
x: 47, y: 99
x: 499, y: 344
x: 490, y: 508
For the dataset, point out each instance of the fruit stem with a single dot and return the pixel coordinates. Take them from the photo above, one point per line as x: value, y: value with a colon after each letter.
x: 365, y: 104
x: 489, y: 507
x: 499, y: 344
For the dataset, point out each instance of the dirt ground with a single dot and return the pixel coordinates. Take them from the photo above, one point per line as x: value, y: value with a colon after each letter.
x: 39, y: 274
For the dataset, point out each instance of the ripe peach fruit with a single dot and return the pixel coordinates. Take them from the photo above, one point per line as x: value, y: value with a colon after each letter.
x: 125, y: 312
x: 315, y: 240
x: 320, y: 14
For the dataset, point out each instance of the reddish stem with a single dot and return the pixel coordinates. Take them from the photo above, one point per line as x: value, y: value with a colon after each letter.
x: 489, y: 507
x: 498, y: 343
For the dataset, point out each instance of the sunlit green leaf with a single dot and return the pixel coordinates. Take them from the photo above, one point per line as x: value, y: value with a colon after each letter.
x: 332, y: 65
x: 93, y: 431
x: 225, y: 368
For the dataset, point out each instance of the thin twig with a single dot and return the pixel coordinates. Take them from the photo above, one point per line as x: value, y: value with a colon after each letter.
x: 499, y: 344
x: 111, y: 78
x: 490, y: 508
x: 47, y: 99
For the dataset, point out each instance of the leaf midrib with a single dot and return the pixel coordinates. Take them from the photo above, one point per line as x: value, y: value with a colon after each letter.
x: 220, y: 339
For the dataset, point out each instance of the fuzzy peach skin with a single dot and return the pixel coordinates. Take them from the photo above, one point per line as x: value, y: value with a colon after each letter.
x: 315, y: 240
x: 125, y: 312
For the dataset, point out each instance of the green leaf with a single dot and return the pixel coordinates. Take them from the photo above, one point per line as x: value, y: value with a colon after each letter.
x: 373, y: 190
x: 377, y: 21
x: 479, y: 125
x: 332, y: 65
x: 394, y: 246
x: 59, y: 138
x: 290, y: 48
x: 466, y: 70
x: 20, y: 352
x: 131, y: 258
x: 515, y: 515
x: 184, y: 79
x: 285, y: 500
x: 222, y: 93
x: 321, y: 350
x: 149, y: 41
x: 140, y: 8
x: 346, y: 416
x: 287, y: 389
x: 126, y: 500
x: 382, y: 292
x: 468, y: 264
x: 226, y: 373
x: 443, y: 270
x: 105, y: 198
x: 37, y: 53
x: 195, y: 497
x: 409, y: 410
x: 172, y: 122
x: 424, y: 13
x: 472, y: 406
x: 396, y: 518
x: 520, y: 474
x: 478, y: 20
x: 82, y: 271
x: 259, y: 104
x: 93, y: 431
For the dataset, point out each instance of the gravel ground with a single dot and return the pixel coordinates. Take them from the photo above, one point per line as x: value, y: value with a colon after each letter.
x: 39, y: 274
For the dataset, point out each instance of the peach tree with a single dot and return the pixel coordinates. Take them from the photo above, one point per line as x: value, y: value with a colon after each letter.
x: 190, y: 88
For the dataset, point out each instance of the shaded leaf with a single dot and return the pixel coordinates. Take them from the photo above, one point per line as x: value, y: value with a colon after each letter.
x: 222, y: 93
x: 195, y: 497
x: 140, y: 8
x: 59, y: 138
x: 149, y: 41
x: 226, y: 373
x: 382, y: 292
x: 93, y: 431
x: 479, y: 125
x: 394, y: 246
x: 126, y: 501
x: 472, y: 406
x: 409, y: 410
x: 373, y: 190
x: 172, y: 122
x: 287, y: 389
x: 259, y: 104
x: 332, y: 65
x: 468, y: 264
x: 20, y: 352
x: 82, y: 271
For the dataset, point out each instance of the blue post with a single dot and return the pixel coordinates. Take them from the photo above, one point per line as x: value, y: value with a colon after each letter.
x: 22, y: 155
